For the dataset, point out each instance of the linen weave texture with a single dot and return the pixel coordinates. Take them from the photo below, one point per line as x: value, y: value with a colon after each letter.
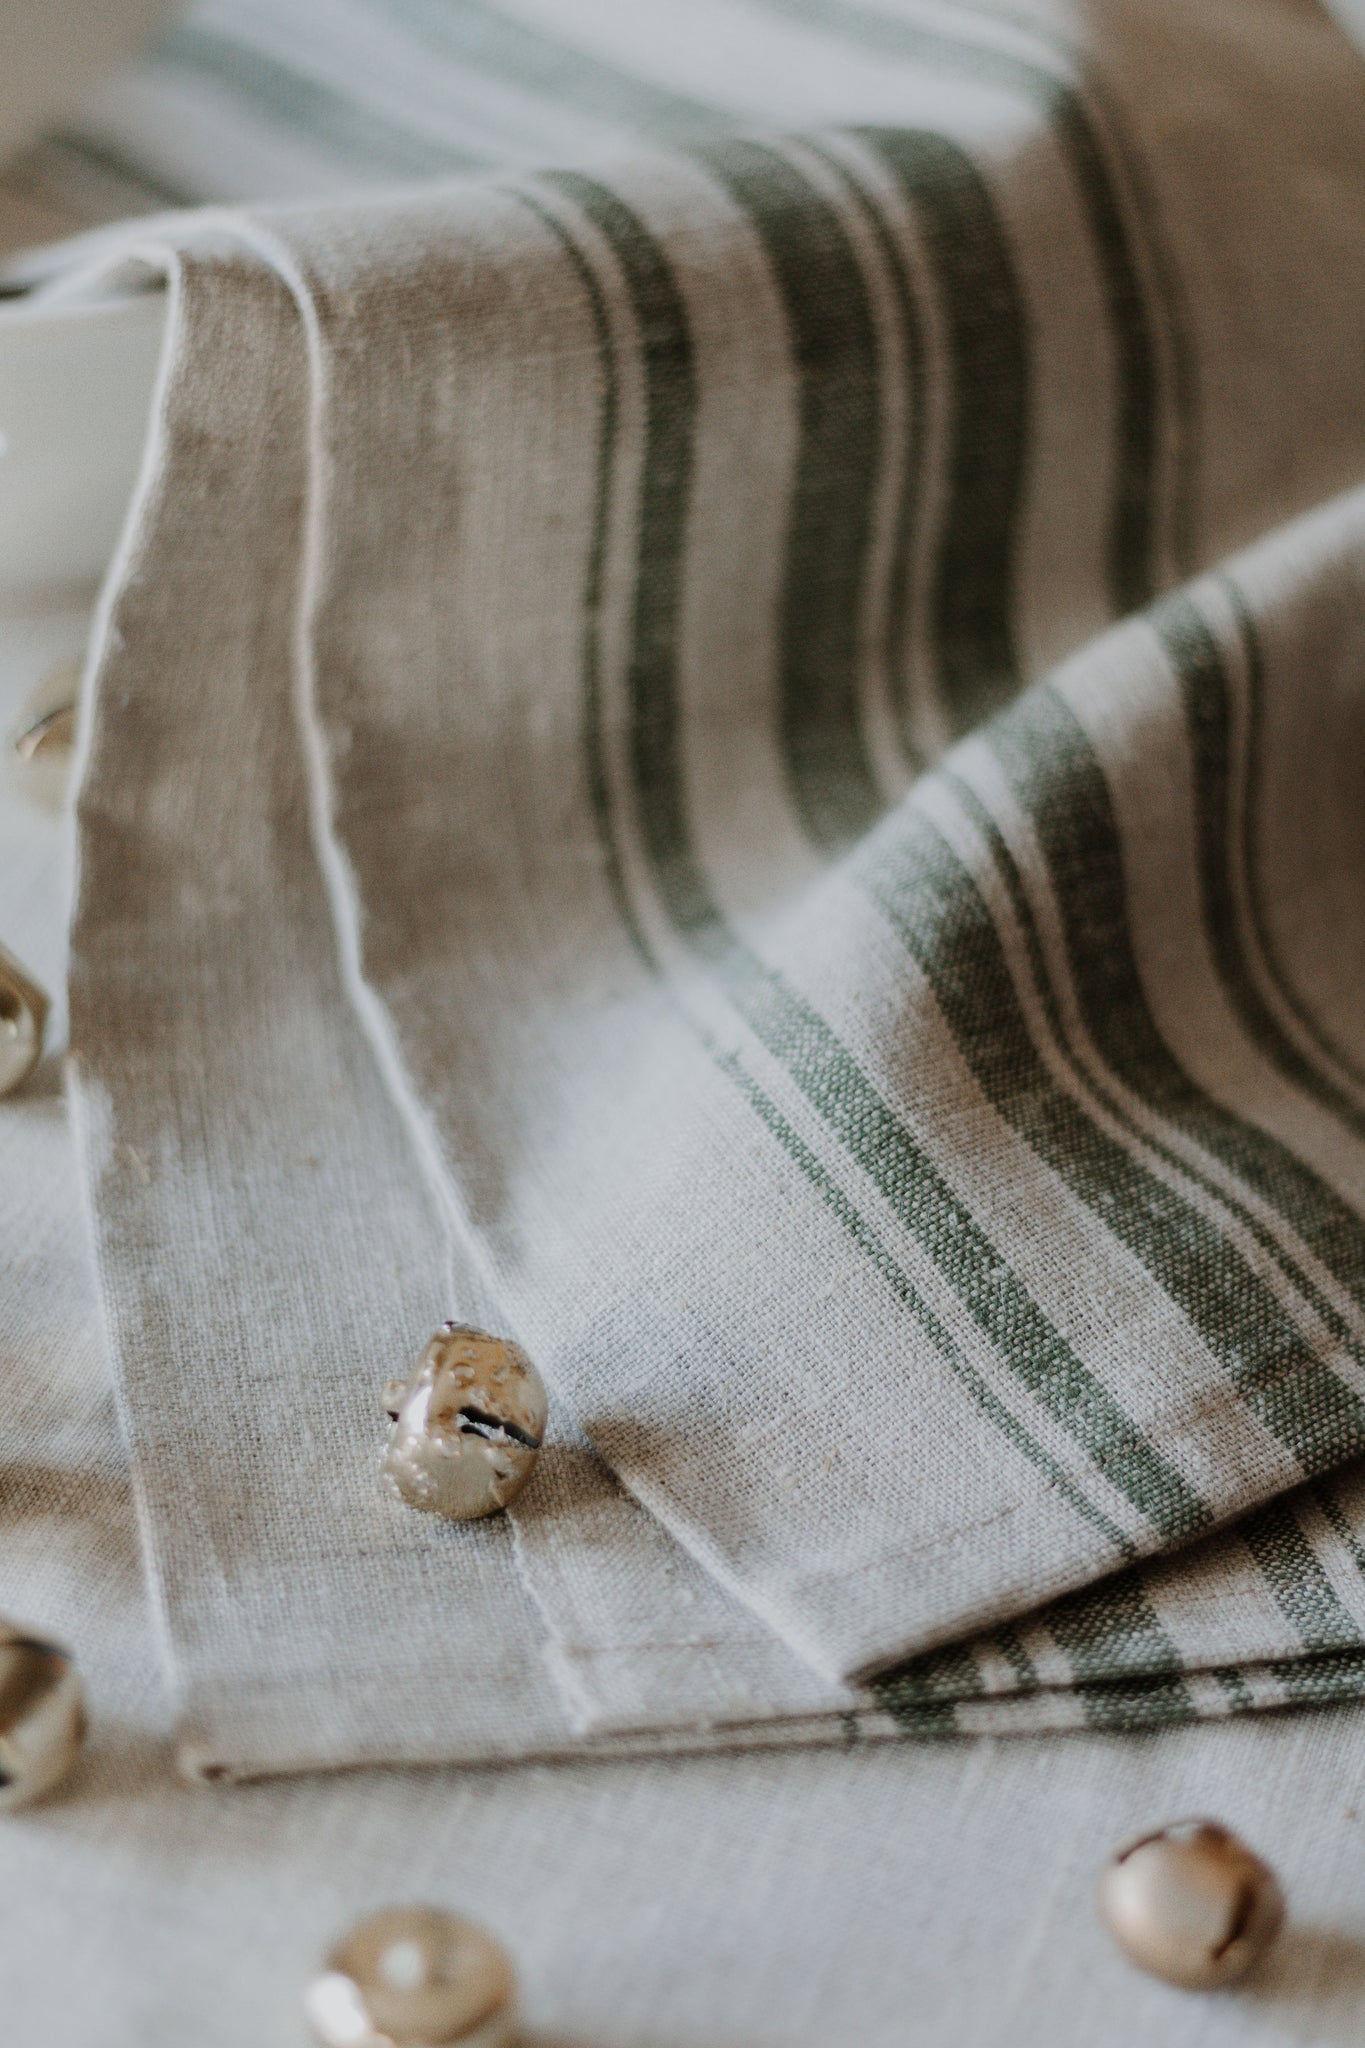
x: 740, y: 757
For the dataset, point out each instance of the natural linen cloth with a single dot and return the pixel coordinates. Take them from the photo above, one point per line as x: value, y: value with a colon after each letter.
x: 508, y: 885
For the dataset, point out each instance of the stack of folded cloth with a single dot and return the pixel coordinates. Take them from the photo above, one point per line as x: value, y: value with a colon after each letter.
x: 742, y: 761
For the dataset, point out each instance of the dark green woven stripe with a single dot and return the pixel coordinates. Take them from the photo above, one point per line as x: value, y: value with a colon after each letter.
x: 1247, y: 1216
x: 1157, y: 1702
x: 833, y: 346
x: 1133, y: 540
x: 983, y: 312
x: 1053, y: 769
x: 1254, y: 656
x: 1323, y: 1496
x: 1106, y: 1632
x: 1324, y: 1681
x: 1007, y: 1643
x: 931, y: 900
x: 1201, y: 671
x: 1302, y: 1588
x: 908, y: 458
x: 1111, y: 1628
x: 948, y: 1675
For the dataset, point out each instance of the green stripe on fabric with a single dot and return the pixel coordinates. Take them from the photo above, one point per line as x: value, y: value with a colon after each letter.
x: 983, y: 311
x: 1328, y: 1680
x: 564, y: 74
x: 101, y: 158
x: 1342, y: 1528
x: 922, y: 1720
x: 937, y: 1671
x: 931, y: 900
x: 1254, y: 656
x: 833, y: 343
x: 943, y: 1225
x: 599, y: 795
x: 1121, y: 291
x: 1295, y: 1576
x: 871, y: 1246
x: 1132, y: 1706
x: 305, y: 106
x: 1132, y: 546
x: 1110, y: 1630
x: 1234, y: 1687
x: 910, y: 457
x: 1007, y: 1644
x: 665, y: 496
x: 1183, y: 408
x: 792, y: 1032
x: 1054, y: 772
x: 1248, y: 1218
x: 1201, y: 671
x: 1332, y: 1679
x: 590, y: 196
x: 1133, y: 1703
x: 916, y: 1689
x: 1107, y: 1632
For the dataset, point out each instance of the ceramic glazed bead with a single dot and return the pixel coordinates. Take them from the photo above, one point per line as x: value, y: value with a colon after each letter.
x: 466, y: 1427
x: 413, y: 1977
x: 23, y: 1014
x: 42, y: 1716
x: 1191, y: 1903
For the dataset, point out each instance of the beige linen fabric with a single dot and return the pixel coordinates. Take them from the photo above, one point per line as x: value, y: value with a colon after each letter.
x: 926, y: 1204
x: 57, y: 51
x: 940, y: 1892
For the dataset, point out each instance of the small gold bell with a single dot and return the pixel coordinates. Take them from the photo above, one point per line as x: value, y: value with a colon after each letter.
x: 467, y: 1427
x: 42, y: 1716
x: 1191, y: 1903
x: 413, y: 1977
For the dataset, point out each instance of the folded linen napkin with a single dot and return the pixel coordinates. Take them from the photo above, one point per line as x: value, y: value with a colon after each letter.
x: 512, y: 883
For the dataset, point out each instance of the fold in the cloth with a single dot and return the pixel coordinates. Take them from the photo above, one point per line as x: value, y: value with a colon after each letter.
x: 513, y: 883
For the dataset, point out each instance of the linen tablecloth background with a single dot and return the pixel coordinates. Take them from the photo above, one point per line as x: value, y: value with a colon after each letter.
x: 514, y: 881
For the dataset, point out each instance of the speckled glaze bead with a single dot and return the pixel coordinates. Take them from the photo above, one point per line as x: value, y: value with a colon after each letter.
x: 23, y: 1016
x: 42, y: 1716
x: 1192, y: 1904
x: 413, y: 1977
x: 466, y: 1428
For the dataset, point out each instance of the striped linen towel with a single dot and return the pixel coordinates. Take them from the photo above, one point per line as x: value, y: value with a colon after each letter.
x: 740, y: 757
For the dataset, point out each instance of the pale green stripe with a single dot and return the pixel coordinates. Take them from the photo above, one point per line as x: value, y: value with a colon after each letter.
x: 305, y: 107
x: 482, y: 39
